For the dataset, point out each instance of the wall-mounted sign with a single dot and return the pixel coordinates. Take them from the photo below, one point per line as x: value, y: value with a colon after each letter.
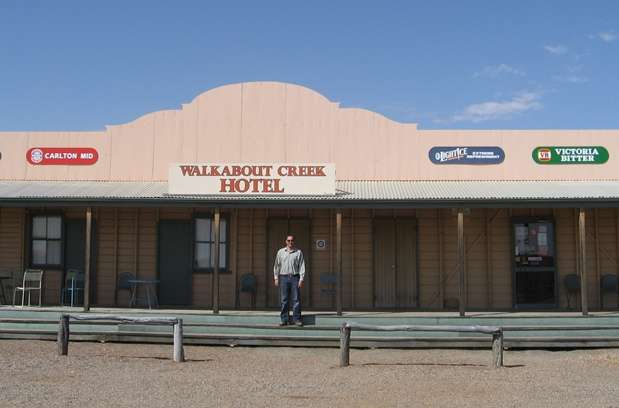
x: 466, y: 155
x: 570, y: 155
x: 71, y: 156
x: 252, y: 179
x: 320, y: 244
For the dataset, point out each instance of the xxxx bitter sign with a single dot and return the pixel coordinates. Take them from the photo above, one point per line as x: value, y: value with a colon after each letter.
x: 252, y: 179
x: 570, y: 155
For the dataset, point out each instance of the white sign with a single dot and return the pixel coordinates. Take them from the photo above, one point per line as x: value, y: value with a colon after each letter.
x: 252, y: 179
x: 321, y: 244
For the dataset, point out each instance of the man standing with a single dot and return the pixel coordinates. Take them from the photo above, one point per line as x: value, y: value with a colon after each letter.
x: 289, y: 273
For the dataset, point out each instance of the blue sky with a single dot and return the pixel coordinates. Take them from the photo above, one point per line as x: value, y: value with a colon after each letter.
x: 81, y: 65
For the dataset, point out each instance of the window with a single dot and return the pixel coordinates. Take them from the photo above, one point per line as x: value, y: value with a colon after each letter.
x: 46, y: 243
x: 205, y: 244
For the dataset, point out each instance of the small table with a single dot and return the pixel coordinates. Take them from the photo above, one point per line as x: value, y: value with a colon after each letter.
x: 148, y: 284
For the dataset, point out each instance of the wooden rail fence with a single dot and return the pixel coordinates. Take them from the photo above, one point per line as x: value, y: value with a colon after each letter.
x: 64, y: 332
x: 496, y: 332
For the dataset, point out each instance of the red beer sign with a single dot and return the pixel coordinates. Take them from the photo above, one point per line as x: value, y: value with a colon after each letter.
x: 68, y: 156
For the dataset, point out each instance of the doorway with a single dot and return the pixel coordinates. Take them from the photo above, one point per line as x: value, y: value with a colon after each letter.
x: 395, y: 263
x: 75, y: 253
x: 175, y: 262
x: 534, y: 263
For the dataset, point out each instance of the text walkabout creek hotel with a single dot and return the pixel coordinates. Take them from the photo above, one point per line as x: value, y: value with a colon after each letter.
x: 288, y: 179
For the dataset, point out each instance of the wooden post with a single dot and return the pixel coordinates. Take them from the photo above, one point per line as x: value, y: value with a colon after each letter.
x: 344, y: 345
x: 87, y: 259
x: 583, y: 262
x: 338, y: 255
x: 461, y: 289
x: 63, y: 336
x: 179, y: 351
x: 497, y: 349
x: 215, y: 286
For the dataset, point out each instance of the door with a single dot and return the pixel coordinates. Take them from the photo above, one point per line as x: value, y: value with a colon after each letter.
x: 534, y: 264
x: 75, y: 251
x: 175, y: 262
x: 278, y: 229
x: 395, y: 263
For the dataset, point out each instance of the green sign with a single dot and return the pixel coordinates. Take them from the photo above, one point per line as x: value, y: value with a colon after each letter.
x: 570, y: 155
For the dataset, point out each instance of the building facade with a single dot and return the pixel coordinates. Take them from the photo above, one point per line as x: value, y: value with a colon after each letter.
x: 405, y: 219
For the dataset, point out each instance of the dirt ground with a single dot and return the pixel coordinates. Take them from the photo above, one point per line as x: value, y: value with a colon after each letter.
x: 132, y: 375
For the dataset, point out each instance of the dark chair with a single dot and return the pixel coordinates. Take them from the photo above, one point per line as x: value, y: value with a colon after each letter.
x: 608, y: 283
x: 249, y: 284
x: 73, y: 287
x: 124, y: 284
x: 572, y: 287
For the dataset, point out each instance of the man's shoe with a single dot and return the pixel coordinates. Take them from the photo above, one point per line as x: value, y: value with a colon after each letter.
x: 283, y: 323
x: 298, y: 323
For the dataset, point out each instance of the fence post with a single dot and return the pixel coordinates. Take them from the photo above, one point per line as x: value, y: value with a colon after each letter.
x: 179, y: 352
x: 344, y: 345
x: 497, y: 349
x: 63, y: 335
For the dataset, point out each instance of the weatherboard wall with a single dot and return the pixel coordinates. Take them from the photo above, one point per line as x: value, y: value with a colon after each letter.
x: 126, y: 241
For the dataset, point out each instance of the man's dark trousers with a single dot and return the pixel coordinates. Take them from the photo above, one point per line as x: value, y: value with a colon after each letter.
x: 289, y: 287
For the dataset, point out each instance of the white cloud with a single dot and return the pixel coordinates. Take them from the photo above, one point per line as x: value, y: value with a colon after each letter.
x: 493, y: 71
x: 606, y: 36
x: 573, y: 79
x: 480, y: 112
x: 572, y: 76
x: 556, y: 49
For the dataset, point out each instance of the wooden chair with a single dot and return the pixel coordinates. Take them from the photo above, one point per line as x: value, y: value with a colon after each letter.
x: 33, y: 280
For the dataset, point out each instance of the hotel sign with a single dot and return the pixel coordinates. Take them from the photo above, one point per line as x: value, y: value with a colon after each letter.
x: 466, y: 155
x: 252, y: 179
x: 68, y: 156
x: 570, y: 155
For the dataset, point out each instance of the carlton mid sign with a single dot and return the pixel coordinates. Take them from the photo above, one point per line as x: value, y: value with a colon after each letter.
x: 76, y: 156
x: 252, y: 179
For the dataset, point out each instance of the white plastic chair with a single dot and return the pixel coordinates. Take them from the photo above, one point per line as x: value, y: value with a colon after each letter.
x: 33, y: 280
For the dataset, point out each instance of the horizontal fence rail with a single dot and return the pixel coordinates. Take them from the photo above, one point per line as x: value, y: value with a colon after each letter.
x: 64, y: 331
x: 496, y: 332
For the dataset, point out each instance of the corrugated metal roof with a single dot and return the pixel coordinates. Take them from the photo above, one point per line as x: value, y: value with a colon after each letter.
x: 347, y: 191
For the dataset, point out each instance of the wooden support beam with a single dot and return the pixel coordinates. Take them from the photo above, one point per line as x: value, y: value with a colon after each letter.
x: 63, y: 336
x: 461, y: 288
x: 88, y: 249
x: 583, y: 262
x: 338, y: 243
x: 344, y: 345
x: 215, y: 285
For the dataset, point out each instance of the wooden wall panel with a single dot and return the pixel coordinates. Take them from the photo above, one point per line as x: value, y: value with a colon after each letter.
x: 566, y: 252
x: 429, y: 260
x: 501, y: 268
x: 105, y: 284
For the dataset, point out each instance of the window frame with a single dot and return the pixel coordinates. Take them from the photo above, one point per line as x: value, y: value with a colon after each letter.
x: 31, y: 240
x: 210, y: 215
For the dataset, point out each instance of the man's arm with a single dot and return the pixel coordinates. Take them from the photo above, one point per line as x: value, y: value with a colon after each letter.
x: 301, y: 269
x: 276, y: 268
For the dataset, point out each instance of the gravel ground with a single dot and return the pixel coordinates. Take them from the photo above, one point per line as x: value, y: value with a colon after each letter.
x: 130, y: 375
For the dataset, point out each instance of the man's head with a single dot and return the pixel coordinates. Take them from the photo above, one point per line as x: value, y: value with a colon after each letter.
x: 290, y: 241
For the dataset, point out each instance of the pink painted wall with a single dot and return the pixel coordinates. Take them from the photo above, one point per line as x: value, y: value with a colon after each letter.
x: 277, y: 122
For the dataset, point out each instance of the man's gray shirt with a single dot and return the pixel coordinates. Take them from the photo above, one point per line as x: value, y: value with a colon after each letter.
x: 289, y: 262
